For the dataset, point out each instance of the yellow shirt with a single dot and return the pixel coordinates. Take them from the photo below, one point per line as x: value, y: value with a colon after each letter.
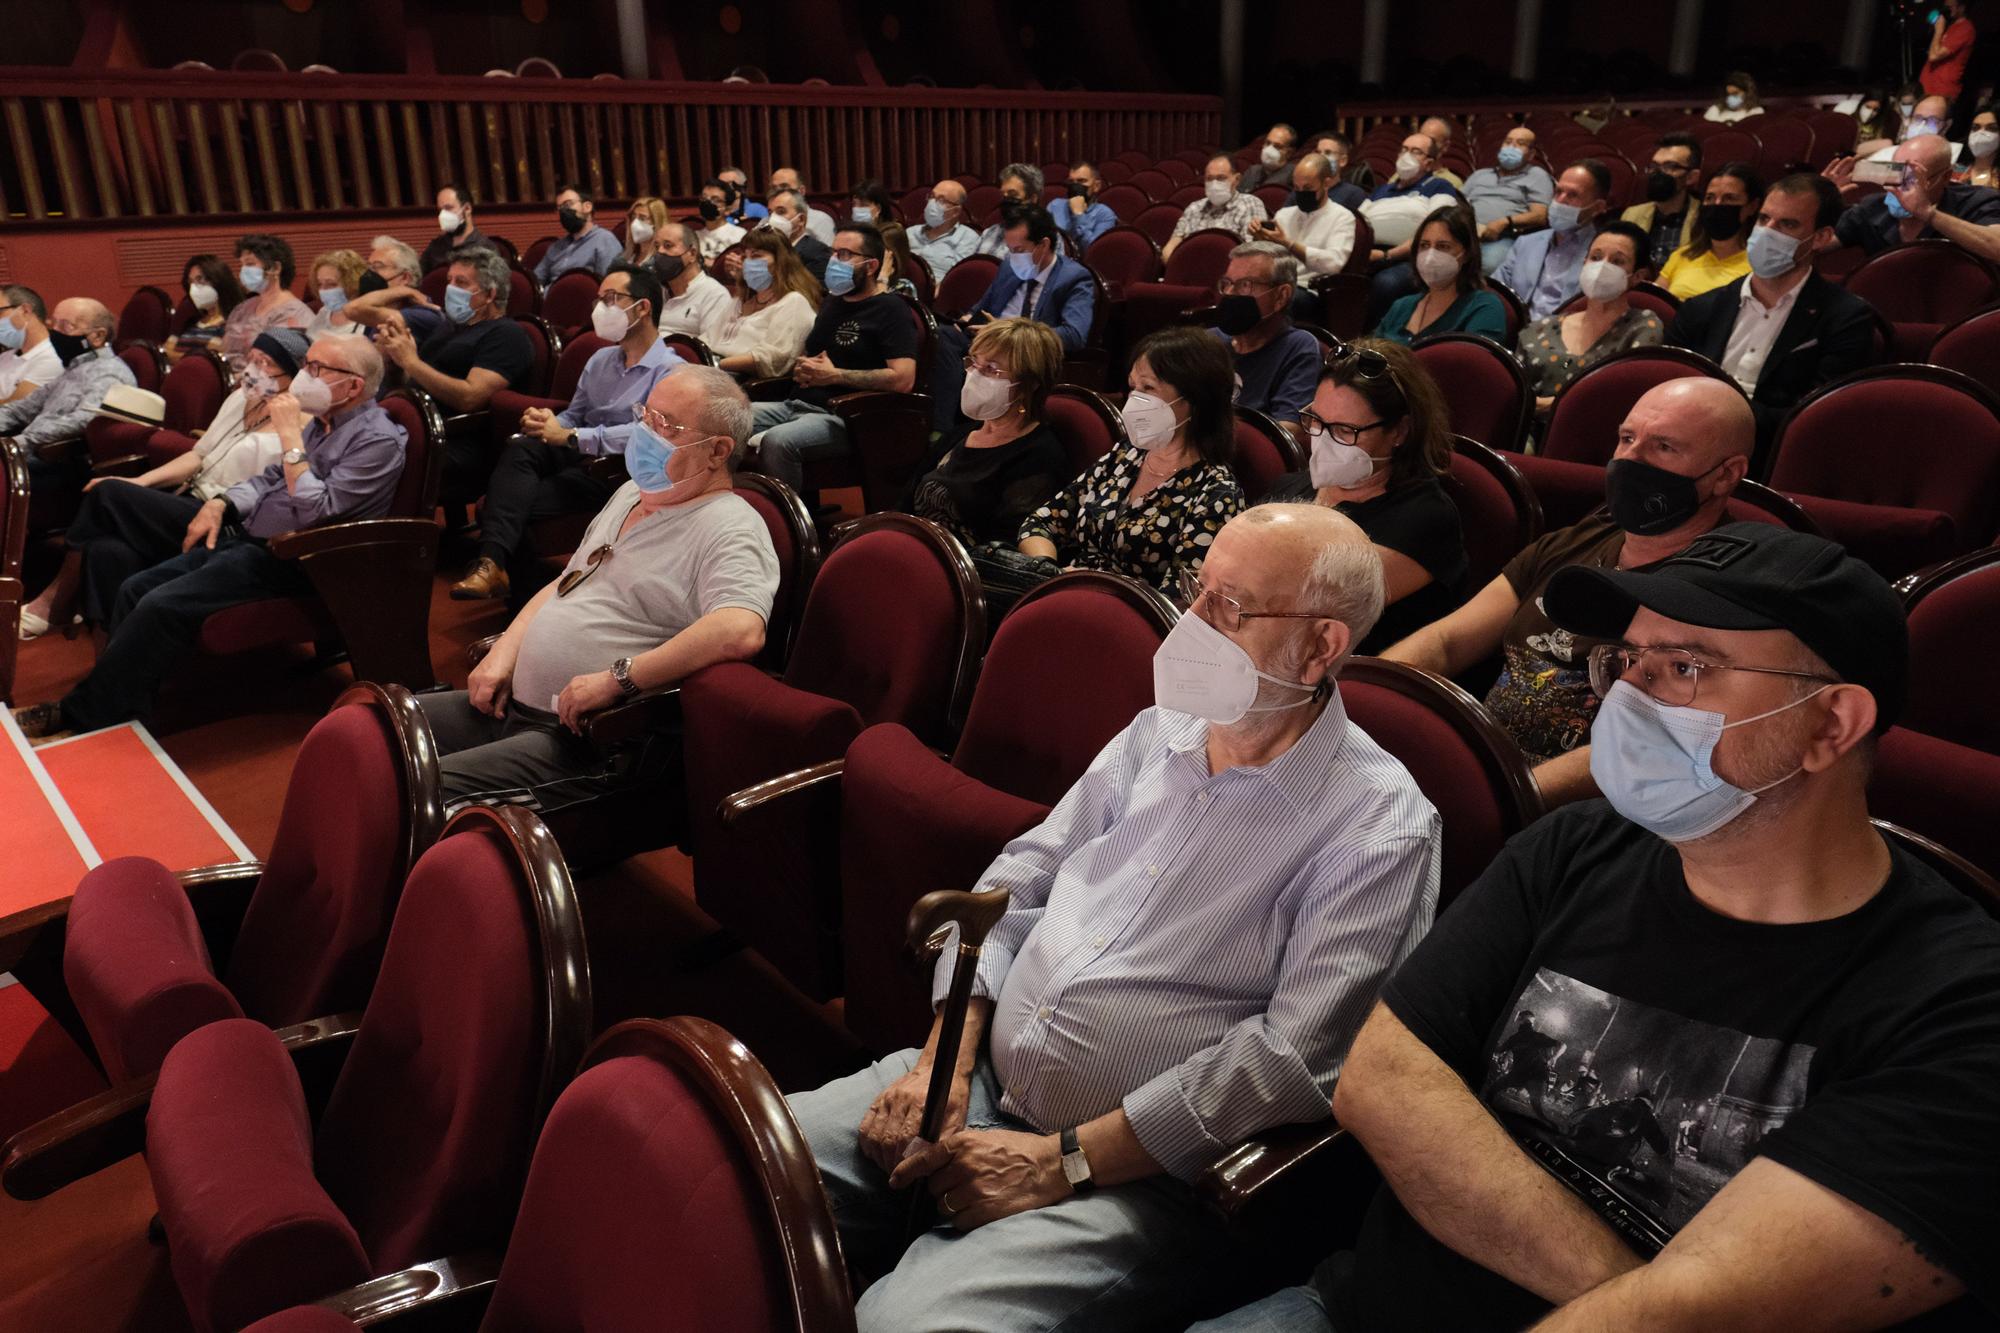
x: 1689, y: 275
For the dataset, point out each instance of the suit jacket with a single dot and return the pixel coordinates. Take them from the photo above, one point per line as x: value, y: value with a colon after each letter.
x: 1830, y: 333
x: 1067, y: 302
x: 813, y: 253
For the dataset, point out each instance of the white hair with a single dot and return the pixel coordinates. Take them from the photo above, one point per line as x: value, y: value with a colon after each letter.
x: 1346, y: 582
x: 400, y: 254
x: 360, y: 356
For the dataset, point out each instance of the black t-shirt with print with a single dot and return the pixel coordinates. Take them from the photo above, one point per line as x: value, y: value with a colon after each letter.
x: 1644, y: 1048
x: 860, y: 335
x: 498, y: 345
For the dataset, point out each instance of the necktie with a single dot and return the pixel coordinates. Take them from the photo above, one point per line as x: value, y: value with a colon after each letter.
x: 1028, y: 300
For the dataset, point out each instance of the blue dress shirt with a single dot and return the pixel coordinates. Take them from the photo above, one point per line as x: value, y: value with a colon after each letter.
x: 1083, y: 227
x: 601, y: 411
x: 1545, y: 268
x: 352, y: 466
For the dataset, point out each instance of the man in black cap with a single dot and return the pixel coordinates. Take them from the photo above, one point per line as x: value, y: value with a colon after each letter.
x: 1739, y: 949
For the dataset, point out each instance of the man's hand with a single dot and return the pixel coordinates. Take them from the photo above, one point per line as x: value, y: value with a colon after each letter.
x: 1077, y: 205
x: 982, y: 1175
x: 892, y: 1122
x: 204, y: 528
x: 1840, y: 171
x: 1266, y: 230
x: 491, y: 683
x: 1918, y: 203
x: 542, y: 424
x: 585, y: 695
x: 1493, y: 230
x: 285, y: 416
x: 393, y: 340
x: 812, y: 371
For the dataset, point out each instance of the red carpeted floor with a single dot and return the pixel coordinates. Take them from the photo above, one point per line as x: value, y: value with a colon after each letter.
x: 80, y: 1260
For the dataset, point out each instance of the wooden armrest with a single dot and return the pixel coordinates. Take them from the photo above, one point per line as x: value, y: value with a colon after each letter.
x: 476, y: 651
x: 607, y: 467
x: 1260, y: 1164
x: 775, y: 389
x: 349, y: 534
x: 421, y: 1288
x: 623, y: 723
x: 737, y: 805
x: 111, y: 1126
x: 121, y: 466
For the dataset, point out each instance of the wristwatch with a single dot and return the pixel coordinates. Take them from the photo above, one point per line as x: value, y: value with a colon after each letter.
x: 294, y: 457
x: 1076, y: 1167
x: 621, y: 671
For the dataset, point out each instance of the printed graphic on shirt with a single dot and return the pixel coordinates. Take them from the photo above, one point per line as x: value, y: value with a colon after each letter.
x: 1644, y: 1113
x: 848, y: 334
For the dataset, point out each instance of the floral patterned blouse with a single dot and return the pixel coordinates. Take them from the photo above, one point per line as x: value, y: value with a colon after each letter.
x: 1550, y: 364
x: 1090, y: 524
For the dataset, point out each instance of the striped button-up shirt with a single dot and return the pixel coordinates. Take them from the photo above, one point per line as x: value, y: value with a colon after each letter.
x: 1201, y: 948
x: 60, y: 409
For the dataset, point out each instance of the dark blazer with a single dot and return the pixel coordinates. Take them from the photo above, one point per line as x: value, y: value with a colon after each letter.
x: 1067, y: 302
x: 813, y: 253
x: 1830, y: 333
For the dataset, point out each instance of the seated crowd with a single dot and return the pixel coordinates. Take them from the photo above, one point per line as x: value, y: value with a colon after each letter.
x: 1233, y: 920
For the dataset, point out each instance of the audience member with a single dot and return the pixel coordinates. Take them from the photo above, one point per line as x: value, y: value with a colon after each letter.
x: 1454, y: 298
x: 899, y: 266
x: 1221, y: 206
x: 693, y: 302
x: 455, y: 227
x: 864, y: 338
x: 1950, y: 51
x: 1875, y: 119
x: 1976, y: 165
x: 739, y: 207
x: 1929, y: 115
x: 1274, y: 159
x: 1319, y: 237
x: 125, y: 525
x: 787, y: 217
x: 1928, y: 203
x: 213, y: 291
x: 645, y: 224
x: 1020, y: 187
x: 1151, y: 507
x: 545, y: 470
x: 1277, y: 364
x: 1784, y: 330
x: 1716, y: 255
x: 675, y: 573
x: 1510, y: 197
x: 1338, y: 150
x: 818, y: 224
x: 1543, y: 267
x: 388, y: 287
x: 944, y: 239
x: 1037, y: 282
x: 777, y: 303
x: 1080, y: 215
x: 583, y: 244
x: 717, y: 233
x: 29, y: 358
x: 1682, y: 449
x: 1554, y: 349
x: 336, y: 279
x: 59, y: 409
x: 1672, y: 185
x: 983, y: 478
x: 1441, y: 132
x: 1379, y: 433
x: 1395, y: 211
x: 264, y: 269
x: 1416, y: 174
x: 1240, y: 867
x: 1584, y: 1088
x: 1738, y: 101
x: 343, y: 456
x: 869, y: 201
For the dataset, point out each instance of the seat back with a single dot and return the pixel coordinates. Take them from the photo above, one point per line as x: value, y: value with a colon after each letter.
x: 576, y: 354
x: 1972, y: 347
x: 479, y: 1017
x: 1488, y: 395
x: 796, y: 542
x: 1265, y: 451
x: 148, y: 366
x: 982, y: 205
x: 1157, y: 221
x: 963, y: 284
x: 13, y: 548
x: 1125, y: 255
x: 1925, y: 282
x: 433, y: 283
x: 423, y: 452
x: 362, y: 805
x: 194, y: 390
x: 1940, y: 789
x: 1125, y: 200
x: 1085, y: 421
x: 1787, y: 143
x: 689, y: 349
x: 1954, y: 629
x: 907, y: 659
x: 1201, y: 258
x: 672, y: 1189
x: 545, y: 345
x: 1835, y: 134
x: 1155, y: 184
x: 1644, y: 295
x: 147, y: 316
x: 524, y: 296
x: 1463, y: 761
x: 566, y: 302
x: 1497, y: 509
x: 1754, y: 502
x: 1583, y: 424
x: 1831, y: 446
x: 537, y: 249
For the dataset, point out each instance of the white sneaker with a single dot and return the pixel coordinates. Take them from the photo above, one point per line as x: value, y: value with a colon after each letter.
x: 32, y: 625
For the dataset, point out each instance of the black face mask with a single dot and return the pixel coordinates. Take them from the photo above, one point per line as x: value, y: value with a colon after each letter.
x: 69, y: 346
x: 1645, y: 500
x: 1305, y: 200
x: 668, y: 267
x: 371, y: 281
x: 1078, y: 190
x: 710, y: 210
x: 1660, y: 186
x: 1238, y: 314
x: 1721, y: 222
x: 572, y: 221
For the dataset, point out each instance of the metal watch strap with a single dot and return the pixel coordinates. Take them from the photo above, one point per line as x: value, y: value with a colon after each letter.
x: 621, y: 671
x: 1076, y: 1167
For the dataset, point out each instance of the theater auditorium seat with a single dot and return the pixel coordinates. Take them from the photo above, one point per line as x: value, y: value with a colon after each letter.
x: 1954, y: 613
x: 1484, y: 388
x: 193, y: 389
x: 1086, y: 422
x: 1496, y: 509
x: 1265, y: 451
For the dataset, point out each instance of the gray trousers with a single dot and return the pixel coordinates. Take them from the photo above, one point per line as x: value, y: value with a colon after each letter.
x: 526, y: 757
x: 1138, y: 1256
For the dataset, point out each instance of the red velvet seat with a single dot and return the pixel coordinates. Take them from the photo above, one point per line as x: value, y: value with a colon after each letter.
x: 1125, y: 200
x: 506, y: 407
x: 1943, y: 790
x: 1157, y: 185
x: 1188, y: 283
x: 963, y: 284
x: 545, y: 346
x: 566, y: 302
x: 1200, y: 259
x: 696, y: 352
x: 1923, y: 286
x: 1157, y: 221
x: 1085, y: 421
x: 1644, y: 295
x: 1835, y: 134
x: 1123, y: 256
x: 1954, y: 612
x: 860, y: 658
x: 1732, y: 143
x: 1484, y: 388
x: 1273, y: 197
x: 1265, y: 451
x: 1179, y: 171
x: 147, y: 364
x: 1831, y: 447
x: 478, y: 1018
x: 193, y: 389
x: 1496, y: 509
x: 982, y: 205
x: 1894, y: 541
x: 1069, y: 667
x: 1786, y: 140
x: 1583, y: 423
x: 537, y: 250
x: 1972, y: 347
x: 147, y: 316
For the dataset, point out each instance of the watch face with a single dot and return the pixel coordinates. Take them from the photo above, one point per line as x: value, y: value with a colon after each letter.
x: 1075, y: 1169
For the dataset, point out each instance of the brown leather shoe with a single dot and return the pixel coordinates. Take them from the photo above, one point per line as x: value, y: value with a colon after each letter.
x: 483, y: 582
x: 40, y: 721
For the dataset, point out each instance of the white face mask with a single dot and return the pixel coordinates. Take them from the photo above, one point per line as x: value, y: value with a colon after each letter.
x: 983, y: 398
x: 1219, y: 192
x: 202, y: 295
x: 1272, y: 156
x: 640, y: 231
x: 610, y: 323
x: 1438, y: 268
x: 1203, y: 672
x: 1149, y: 421
x: 1340, y: 466
x: 449, y: 220
x: 1602, y: 280
x: 315, y: 399
x: 1983, y: 142
x: 1407, y: 165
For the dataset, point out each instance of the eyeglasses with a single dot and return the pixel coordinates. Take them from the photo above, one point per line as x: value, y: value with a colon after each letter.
x: 1225, y: 612
x: 677, y: 436
x: 1673, y: 168
x: 1231, y: 286
x: 320, y: 370
x: 572, y: 577
x: 992, y: 370
x: 1341, y: 432
x: 1670, y: 675
x: 850, y: 256
x: 612, y: 299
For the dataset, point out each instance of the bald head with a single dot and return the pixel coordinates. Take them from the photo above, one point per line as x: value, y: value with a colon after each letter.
x: 85, y: 318
x: 1936, y: 108
x: 1439, y: 129
x: 1695, y: 426
x: 949, y: 192
x: 1300, y: 557
x: 1930, y: 152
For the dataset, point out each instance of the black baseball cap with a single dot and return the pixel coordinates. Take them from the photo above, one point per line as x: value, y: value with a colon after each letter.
x: 1756, y: 576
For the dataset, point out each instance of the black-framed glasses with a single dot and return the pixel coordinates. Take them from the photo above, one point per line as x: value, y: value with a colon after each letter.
x: 1341, y: 432
x: 1225, y: 612
x: 319, y: 370
x: 573, y: 577
x: 1670, y: 675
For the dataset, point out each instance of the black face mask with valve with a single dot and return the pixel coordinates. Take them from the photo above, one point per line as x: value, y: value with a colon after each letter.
x: 1645, y: 500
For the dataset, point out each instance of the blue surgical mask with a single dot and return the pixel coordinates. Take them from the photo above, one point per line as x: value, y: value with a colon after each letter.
x: 1564, y: 217
x: 646, y: 456
x: 1653, y: 762
x: 331, y: 299
x: 839, y: 277
x: 1023, y: 264
x: 252, y: 278
x: 933, y: 214
x: 1894, y: 203
x: 1511, y: 157
x: 12, y: 335
x: 1772, y: 253
x: 861, y: 213
x: 757, y: 273
x: 458, y: 305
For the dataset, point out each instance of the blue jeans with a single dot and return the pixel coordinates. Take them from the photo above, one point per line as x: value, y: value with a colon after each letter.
x: 1135, y: 1256
x: 1293, y: 1310
x: 792, y: 433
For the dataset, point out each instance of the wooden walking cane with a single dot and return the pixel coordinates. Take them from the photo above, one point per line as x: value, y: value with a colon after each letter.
x: 931, y: 920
